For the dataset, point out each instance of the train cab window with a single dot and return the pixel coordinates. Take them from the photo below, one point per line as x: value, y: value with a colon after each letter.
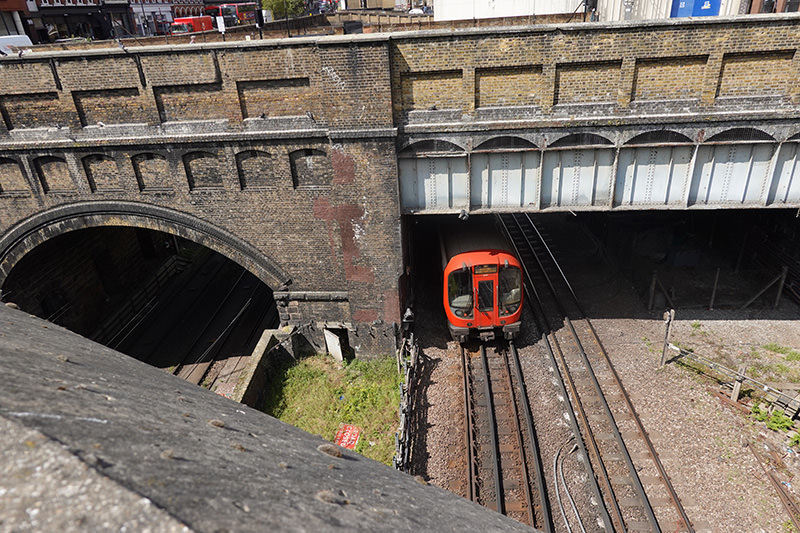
x: 459, y: 292
x: 509, y: 293
x: 485, y: 295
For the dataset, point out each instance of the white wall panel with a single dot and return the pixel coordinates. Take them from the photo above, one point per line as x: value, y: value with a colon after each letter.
x: 651, y: 176
x: 459, y: 183
x: 577, y: 177
x: 483, y: 9
x: 507, y: 179
x: 436, y: 184
x: 731, y: 174
x: 786, y: 181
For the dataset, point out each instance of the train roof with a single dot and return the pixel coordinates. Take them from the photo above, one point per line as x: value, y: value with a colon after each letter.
x: 476, y: 233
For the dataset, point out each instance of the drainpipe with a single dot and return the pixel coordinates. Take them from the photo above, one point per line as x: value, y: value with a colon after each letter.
x: 144, y: 20
x: 18, y: 23
x: 286, y: 16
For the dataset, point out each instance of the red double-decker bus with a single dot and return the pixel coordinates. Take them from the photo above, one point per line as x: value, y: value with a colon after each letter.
x: 233, y: 14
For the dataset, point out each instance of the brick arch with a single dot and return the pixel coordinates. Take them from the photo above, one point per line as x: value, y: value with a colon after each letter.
x: 310, y: 168
x: 203, y: 169
x: 659, y: 137
x: 506, y: 142
x: 12, y: 176
x: 53, y: 173
x: 580, y: 139
x: 101, y: 172
x: 428, y: 146
x: 150, y: 169
x: 255, y: 169
x: 741, y: 134
x: 30, y: 233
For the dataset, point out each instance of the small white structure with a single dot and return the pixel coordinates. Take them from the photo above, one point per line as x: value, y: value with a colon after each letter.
x: 484, y: 9
x: 606, y: 10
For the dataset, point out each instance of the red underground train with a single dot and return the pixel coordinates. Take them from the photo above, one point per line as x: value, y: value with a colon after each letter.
x: 482, y: 286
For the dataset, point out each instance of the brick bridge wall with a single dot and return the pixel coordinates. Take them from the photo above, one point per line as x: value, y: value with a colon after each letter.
x: 283, y: 154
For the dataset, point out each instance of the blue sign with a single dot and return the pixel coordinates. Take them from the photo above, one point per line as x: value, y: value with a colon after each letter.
x: 682, y: 8
x: 705, y: 8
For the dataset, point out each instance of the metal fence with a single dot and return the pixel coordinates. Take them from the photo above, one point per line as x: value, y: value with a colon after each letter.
x: 407, y: 358
x: 790, y: 405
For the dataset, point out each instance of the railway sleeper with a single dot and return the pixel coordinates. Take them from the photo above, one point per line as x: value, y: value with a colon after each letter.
x: 638, y: 526
x: 516, y: 507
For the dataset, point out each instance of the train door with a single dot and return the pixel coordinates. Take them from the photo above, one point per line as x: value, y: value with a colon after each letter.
x: 485, y: 284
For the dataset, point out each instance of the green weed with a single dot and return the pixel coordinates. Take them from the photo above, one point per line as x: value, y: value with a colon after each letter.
x: 316, y: 395
x: 791, y: 355
x: 777, y: 421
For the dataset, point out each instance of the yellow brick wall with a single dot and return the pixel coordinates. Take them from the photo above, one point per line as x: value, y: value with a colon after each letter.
x: 669, y: 78
x: 511, y: 86
x: 764, y: 74
x: 587, y: 83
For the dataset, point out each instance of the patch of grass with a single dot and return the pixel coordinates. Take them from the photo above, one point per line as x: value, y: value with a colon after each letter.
x: 317, y: 395
x: 683, y: 347
x: 649, y: 345
x: 791, y: 355
x: 773, y: 371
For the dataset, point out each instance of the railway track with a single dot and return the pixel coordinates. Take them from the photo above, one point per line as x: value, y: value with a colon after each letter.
x: 217, y: 312
x: 504, y: 463
x: 610, y: 432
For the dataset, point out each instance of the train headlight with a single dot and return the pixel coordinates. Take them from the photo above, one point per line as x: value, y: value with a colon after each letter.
x: 509, y: 309
x: 463, y: 313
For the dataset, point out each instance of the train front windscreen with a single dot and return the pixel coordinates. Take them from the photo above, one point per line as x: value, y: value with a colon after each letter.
x: 459, y: 292
x: 510, y: 290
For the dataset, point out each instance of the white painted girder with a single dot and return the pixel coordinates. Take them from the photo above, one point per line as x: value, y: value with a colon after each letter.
x: 687, y: 176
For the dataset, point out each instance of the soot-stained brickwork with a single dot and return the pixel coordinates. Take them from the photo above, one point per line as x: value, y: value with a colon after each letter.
x: 278, y: 156
x: 283, y: 155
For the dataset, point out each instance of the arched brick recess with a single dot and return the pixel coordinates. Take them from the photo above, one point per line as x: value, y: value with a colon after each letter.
x: 43, y: 226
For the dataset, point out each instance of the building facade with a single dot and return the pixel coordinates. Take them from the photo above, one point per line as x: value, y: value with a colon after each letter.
x: 12, y: 13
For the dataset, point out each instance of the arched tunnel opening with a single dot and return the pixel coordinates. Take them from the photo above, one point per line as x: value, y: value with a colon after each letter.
x: 162, y: 299
x: 688, y: 260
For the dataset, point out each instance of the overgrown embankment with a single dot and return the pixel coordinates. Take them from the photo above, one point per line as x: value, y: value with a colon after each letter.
x: 317, y: 394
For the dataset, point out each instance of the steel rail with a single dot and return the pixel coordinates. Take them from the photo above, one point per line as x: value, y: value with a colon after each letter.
x: 788, y: 503
x: 493, y: 434
x: 558, y: 494
x: 472, y: 476
x: 593, y: 446
x: 626, y: 397
x: 541, y: 485
x: 207, y: 324
x: 648, y: 509
x: 196, y: 276
x: 593, y: 449
x: 532, y: 295
x: 520, y: 444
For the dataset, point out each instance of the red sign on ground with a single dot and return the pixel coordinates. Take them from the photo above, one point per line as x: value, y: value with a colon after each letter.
x: 347, y: 436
